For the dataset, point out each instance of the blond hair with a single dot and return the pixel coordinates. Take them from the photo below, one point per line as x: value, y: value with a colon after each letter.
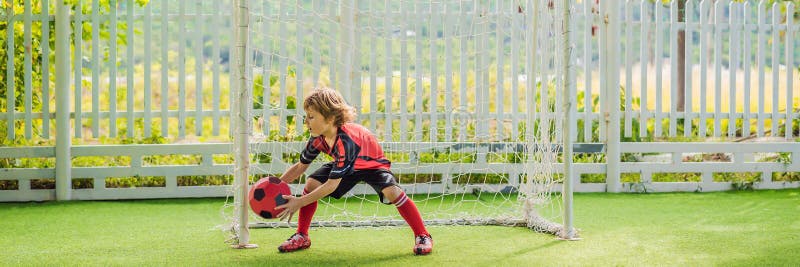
x: 331, y: 105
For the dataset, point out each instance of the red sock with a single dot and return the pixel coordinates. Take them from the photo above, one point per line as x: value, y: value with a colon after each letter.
x: 304, y: 218
x: 410, y: 213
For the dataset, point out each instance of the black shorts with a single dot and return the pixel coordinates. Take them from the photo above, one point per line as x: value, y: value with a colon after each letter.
x: 378, y: 179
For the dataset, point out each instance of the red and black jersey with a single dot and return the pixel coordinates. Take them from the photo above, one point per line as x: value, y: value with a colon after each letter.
x: 355, y: 148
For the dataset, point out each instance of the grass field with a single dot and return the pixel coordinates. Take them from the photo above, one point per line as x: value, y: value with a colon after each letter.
x: 760, y: 228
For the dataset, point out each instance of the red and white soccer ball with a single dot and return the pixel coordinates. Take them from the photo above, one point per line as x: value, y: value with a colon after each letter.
x: 266, y: 194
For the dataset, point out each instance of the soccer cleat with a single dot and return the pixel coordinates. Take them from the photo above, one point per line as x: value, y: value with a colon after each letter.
x: 296, y: 242
x: 423, y: 245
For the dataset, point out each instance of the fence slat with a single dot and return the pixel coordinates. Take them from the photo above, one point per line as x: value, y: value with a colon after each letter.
x: 28, y: 70
x: 487, y: 85
x: 130, y: 67
x: 515, y: 74
x: 112, y: 70
x: 789, y: 61
x: 215, y: 59
x: 704, y: 31
x: 317, y: 8
x: 333, y: 32
x: 447, y: 32
x: 745, y: 24
x: 435, y: 25
x: 688, y: 66
x: 462, y: 103
x: 266, y: 72
x: 389, y: 74
x: 148, y: 62
x: 10, y: 84
x: 643, y: 59
x: 404, y: 72
x: 761, y: 51
x: 165, y: 69
x: 733, y: 65
x: 284, y: 64
x: 602, y: 94
x: 45, y: 20
x: 182, y: 38
x: 479, y: 117
x: 78, y: 79
x: 776, y: 54
x: 718, y: 12
x: 557, y: 74
x: 198, y: 69
x: 500, y: 37
x: 530, y: 41
x: 673, y: 54
x: 358, y: 69
x: 232, y: 83
x: 301, y: 33
x: 628, y: 68
x: 482, y: 73
x: 373, y: 74
x: 96, y: 69
x: 659, y: 58
x: 418, y: 69
x: 347, y: 50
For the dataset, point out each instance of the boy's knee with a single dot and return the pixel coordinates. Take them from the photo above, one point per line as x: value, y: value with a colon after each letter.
x: 311, y: 185
x: 391, y: 193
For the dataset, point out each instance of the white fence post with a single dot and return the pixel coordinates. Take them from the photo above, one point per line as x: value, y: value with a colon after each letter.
x: 63, y: 137
x: 609, y: 59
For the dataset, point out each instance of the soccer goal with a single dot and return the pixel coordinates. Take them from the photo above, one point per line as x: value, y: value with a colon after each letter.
x: 470, y: 100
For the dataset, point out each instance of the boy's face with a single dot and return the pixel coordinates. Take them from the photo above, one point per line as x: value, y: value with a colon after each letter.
x: 318, y: 124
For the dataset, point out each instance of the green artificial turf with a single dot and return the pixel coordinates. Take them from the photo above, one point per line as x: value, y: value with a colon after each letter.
x: 760, y: 228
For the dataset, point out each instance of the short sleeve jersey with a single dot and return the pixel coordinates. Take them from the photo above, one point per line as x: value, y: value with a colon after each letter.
x: 355, y: 148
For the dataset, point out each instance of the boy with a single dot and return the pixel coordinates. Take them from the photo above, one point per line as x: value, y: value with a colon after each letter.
x: 357, y: 156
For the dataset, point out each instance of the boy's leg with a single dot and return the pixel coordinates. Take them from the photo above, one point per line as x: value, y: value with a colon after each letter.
x: 307, y: 211
x: 407, y: 209
x: 423, y: 243
x: 300, y: 240
x: 384, y: 182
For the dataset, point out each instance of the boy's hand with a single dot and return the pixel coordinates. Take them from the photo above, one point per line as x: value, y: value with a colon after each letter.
x: 292, y: 205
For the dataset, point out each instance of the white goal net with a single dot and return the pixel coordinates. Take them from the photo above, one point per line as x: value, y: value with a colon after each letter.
x: 466, y: 98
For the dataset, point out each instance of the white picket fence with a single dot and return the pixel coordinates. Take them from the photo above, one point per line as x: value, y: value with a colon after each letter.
x: 741, y: 69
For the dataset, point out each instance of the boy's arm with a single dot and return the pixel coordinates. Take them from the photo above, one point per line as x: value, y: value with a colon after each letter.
x: 323, y: 190
x: 295, y: 203
x: 294, y: 172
